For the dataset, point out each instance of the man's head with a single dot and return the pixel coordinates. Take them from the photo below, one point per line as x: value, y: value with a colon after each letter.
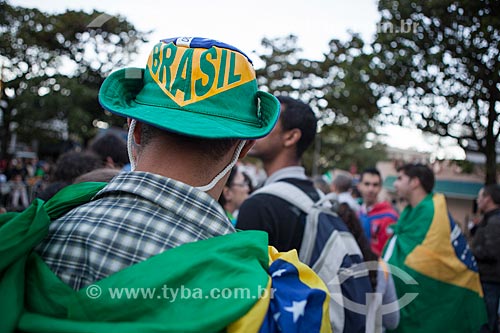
x: 414, y: 180
x: 112, y: 150
x: 370, y: 185
x: 292, y: 135
x: 488, y: 198
x: 73, y: 164
x: 195, y: 94
x: 341, y: 183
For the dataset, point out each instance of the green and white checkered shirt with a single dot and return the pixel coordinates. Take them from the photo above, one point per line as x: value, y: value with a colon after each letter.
x: 137, y: 215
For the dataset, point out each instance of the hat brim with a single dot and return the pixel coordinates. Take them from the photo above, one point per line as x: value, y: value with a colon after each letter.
x: 118, y: 92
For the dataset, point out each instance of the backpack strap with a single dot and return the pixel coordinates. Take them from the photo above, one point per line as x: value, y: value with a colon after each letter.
x: 329, y: 249
x: 297, y: 197
x: 289, y: 193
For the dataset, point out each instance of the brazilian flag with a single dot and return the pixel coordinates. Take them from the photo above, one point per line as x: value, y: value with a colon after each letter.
x: 231, y: 283
x: 442, y: 292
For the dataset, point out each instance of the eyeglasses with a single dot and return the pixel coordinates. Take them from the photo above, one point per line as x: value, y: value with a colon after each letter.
x: 243, y: 184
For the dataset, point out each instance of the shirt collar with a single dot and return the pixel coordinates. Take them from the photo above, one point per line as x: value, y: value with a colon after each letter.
x: 491, y: 213
x: 297, y: 172
x: 167, y: 193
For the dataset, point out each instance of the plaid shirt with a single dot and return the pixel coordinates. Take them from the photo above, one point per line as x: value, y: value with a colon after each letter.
x: 137, y: 215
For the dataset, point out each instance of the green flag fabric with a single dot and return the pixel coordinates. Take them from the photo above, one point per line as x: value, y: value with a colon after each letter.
x: 236, y: 263
x: 440, y: 291
x: 222, y: 284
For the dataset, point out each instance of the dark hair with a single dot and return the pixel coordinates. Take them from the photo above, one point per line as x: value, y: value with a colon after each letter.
x: 353, y: 224
x: 420, y: 171
x: 68, y: 167
x: 110, y: 145
x: 73, y: 164
x: 355, y: 192
x: 211, y: 148
x: 370, y: 171
x: 493, y: 191
x: 232, y: 174
x: 297, y: 114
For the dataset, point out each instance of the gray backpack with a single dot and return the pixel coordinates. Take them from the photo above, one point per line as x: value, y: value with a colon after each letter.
x: 331, y: 251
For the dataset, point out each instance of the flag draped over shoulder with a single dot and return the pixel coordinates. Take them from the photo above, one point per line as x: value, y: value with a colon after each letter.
x: 430, y: 247
x: 233, y: 283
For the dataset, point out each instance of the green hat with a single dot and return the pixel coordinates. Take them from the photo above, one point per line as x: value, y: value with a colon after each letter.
x: 193, y: 86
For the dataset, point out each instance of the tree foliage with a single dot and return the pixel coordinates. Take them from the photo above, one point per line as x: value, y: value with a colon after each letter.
x: 337, y: 88
x: 442, y: 73
x: 52, y: 68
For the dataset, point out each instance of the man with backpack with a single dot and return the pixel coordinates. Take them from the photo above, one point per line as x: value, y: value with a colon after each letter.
x: 281, y: 152
x: 296, y: 216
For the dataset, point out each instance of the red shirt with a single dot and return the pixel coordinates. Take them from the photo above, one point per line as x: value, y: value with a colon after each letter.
x: 379, y: 220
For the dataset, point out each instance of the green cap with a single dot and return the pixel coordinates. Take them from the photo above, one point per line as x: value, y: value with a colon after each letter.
x: 196, y: 87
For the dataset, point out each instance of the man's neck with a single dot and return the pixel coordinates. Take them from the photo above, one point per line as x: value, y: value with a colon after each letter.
x: 491, y: 208
x: 369, y: 206
x: 188, y: 168
x: 294, y: 172
x: 417, y: 197
x: 278, y: 163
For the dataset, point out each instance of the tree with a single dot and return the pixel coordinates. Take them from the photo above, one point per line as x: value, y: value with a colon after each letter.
x: 338, y: 90
x: 437, y: 68
x: 52, y: 68
x: 351, y: 106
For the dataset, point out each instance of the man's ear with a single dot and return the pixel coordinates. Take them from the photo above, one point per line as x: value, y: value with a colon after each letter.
x: 415, y: 182
x: 109, y: 162
x: 137, y: 131
x: 246, y: 148
x: 291, y: 137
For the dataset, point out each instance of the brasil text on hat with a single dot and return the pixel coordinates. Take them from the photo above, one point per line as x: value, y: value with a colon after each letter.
x: 193, y: 86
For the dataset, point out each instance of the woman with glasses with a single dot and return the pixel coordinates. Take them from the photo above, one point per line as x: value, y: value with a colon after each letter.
x: 237, y: 189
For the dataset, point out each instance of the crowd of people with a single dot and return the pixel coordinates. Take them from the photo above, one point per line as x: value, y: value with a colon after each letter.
x: 175, y: 205
x: 24, y: 179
